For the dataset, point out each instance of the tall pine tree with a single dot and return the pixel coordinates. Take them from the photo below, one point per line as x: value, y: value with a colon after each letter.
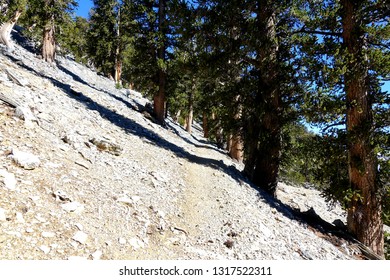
x: 348, y: 54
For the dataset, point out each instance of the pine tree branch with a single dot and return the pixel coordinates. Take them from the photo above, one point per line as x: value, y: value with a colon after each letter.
x: 317, y: 32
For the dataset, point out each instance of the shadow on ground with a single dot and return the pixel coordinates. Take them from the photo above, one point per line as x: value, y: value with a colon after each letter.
x: 309, y: 219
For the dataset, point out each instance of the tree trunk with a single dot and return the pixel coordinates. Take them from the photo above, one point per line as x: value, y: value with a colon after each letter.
x: 205, y: 125
x: 263, y: 149
x: 159, y: 98
x: 6, y: 29
x: 190, y: 116
x: 49, y: 44
x: 118, y: 60
x: 365, y: 212
x: 236, y: 147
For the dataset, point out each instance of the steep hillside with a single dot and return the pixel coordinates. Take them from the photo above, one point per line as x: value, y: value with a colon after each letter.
x: 86, y: 173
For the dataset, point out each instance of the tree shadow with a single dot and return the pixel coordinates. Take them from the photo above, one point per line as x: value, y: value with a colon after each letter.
x: 130, y: 126
x: 332, y: 233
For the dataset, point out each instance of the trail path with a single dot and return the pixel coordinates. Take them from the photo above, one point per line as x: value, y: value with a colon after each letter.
x: 112, y: 184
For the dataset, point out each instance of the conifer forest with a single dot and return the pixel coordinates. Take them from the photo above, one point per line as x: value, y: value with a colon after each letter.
x: 294, y: 90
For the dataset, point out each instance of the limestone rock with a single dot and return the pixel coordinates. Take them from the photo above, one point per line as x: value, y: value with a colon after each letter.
x: 26, y: 160
x: 73, y: 206
x: 80, y: 237
x: 107, y: 146
x: 8, y: 179
x: 3, y: 216
x: 97, y: 255
x: 44, y: 249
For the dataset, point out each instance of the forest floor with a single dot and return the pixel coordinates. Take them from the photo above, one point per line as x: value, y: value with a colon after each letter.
x: 86, y: 173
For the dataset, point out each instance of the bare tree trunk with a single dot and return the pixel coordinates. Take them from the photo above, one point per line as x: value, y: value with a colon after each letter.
x: 118, y: 60
x: 6, y: 29
x: 49, y: 44
x: 159, y: 98
x: 205, y: 125
x: 190, y: 116
x: 365, y: 213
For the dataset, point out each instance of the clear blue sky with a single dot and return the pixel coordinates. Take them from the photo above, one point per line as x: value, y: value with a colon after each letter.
x: 83, y: 8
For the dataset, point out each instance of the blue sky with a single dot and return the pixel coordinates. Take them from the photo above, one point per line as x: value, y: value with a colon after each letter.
x: 84, y: 7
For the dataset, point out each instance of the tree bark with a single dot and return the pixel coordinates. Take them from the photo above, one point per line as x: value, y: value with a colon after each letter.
x: 190, y: 116
x: 159, y: 98
x: 263, y: 147
x: 49, y: 44
x: 365, y: 213
x: 118, y: 60
x: 205, y: 125
x: 235, y: 143
x: 6, y: 29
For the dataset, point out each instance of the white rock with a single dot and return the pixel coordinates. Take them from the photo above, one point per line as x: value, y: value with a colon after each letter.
x: 97, y: 255
x: 125, y: 200
x: 3, y: 217
x: 29, y: 230
x: 80, y: 237
x: 44, y: 249
x: 19, y: 218
x: 26, y: 160
x: 266, y: 231
x: 136, y: 243
x: 79, y: 226
x: 73, y: 206
x: 47, y: 234
x: 121, y: 240
x: 8, y: 179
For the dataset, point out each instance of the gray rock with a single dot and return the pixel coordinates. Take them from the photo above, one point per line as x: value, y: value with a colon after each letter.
x: 24, y: 113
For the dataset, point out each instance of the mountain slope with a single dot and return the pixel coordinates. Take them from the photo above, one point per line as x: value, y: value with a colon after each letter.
x: 85, y: 173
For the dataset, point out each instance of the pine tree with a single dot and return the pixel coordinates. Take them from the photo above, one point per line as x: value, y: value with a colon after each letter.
x: 103, y: 35
x: 251, y: 54
x: 10, y: 11
x: 48, y: 15
x: 348, y: 45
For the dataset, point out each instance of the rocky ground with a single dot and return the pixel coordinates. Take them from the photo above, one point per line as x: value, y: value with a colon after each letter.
x: 86, y: 173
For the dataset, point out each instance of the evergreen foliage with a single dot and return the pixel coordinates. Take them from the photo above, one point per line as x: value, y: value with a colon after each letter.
x: 254, y: 71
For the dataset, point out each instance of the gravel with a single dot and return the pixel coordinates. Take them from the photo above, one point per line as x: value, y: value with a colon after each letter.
x: 105, y: 182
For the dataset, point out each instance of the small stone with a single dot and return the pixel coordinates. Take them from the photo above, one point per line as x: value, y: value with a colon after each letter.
x: 125, y: 200
x: 74, y: 206
x: 122, y: 241
x: 80, y: 237
x: 44, y: 249
x: 136, y: 243
x: 3, y: 217
x: 8, y: 179
x: 48, y: 234
x: 19, y: 218
x: 25, y: 160
x: 24, y: 113
x: 229, y: 243
x: 29, y: 230
x: 79, y: 226
x: 97, y: 255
